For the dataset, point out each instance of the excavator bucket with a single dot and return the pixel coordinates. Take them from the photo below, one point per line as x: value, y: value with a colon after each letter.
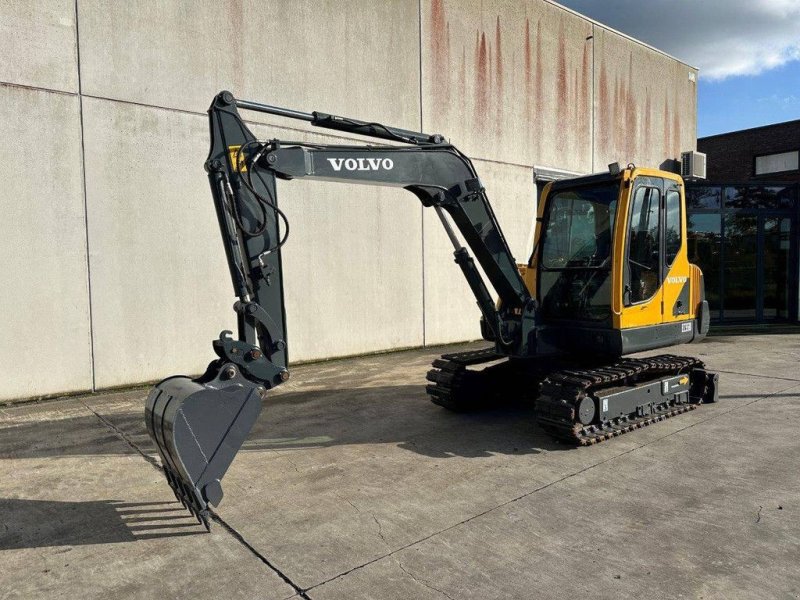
x: 198, y: 427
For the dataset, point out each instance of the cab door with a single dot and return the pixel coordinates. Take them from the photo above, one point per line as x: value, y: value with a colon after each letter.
x: 643, y: 262
x: 677, y: 280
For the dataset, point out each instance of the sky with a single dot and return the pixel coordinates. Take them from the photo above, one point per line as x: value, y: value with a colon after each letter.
x: 748, y: 52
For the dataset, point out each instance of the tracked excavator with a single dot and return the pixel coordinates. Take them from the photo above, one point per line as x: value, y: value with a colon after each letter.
x: 608, y: 276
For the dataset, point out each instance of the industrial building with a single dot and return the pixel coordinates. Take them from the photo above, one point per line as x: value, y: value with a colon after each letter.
x: 744, y: 220
x: 113, y: 267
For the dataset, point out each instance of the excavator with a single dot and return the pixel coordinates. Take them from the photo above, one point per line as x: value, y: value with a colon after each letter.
x: 609, y: 276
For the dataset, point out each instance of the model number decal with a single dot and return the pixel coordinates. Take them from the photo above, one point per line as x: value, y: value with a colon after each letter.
x: 686, y: 327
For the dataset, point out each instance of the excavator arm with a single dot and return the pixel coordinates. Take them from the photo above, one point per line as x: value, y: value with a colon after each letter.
x: 199, y: 424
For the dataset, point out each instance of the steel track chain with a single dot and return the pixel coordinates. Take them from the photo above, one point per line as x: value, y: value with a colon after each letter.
x: 453, y: 386
x: 562, y: 391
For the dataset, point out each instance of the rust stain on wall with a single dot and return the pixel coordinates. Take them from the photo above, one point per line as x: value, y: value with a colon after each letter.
x: 666, y: 124
x: 576, y: 105
x: 482, y: 79
x: 562, y: 85
x: 585, y: 75
x: 440, y: 41
x: 538, y: 80
x: 604, y: 114
x: 498, y: 76
x: 438, y: 25
x: 631, y: 113
x: 528, y: 74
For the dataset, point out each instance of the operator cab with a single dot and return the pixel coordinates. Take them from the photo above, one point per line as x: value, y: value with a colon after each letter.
x: 610, y: 269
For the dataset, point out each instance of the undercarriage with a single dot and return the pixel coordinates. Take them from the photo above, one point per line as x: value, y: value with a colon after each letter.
x: 578, y: 402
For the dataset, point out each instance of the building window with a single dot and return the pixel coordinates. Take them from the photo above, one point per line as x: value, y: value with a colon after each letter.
x: 777, y: 163
x: 759, y: 196
x: 702, y: 196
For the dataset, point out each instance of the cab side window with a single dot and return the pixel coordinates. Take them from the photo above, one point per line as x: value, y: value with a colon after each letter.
x: 643, y: 245
x: 672, y: 226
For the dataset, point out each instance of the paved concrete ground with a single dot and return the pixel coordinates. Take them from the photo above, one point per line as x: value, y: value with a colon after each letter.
x: 352, y: 485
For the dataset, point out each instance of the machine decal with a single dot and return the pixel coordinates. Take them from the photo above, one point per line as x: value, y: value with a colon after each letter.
x: 233, y: 152
x: 362, y: 164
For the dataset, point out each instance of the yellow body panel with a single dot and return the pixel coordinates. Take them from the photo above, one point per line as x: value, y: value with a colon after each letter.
x: 658, y: 309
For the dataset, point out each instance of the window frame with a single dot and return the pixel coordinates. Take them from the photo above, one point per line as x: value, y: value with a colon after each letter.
x: 673, y: 189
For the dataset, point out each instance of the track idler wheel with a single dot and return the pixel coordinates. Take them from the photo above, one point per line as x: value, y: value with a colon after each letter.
x: 586, y: 410
x: 198, y: 426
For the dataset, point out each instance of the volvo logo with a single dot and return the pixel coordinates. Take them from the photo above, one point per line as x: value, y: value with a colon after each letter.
x: 361, y: 164
x: 677, y: 279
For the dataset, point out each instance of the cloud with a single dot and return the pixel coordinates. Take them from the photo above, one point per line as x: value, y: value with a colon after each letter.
x: 723, y: 38
x: 784, y: 102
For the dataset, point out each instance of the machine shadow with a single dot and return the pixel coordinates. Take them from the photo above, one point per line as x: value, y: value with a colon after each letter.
x: 299, y: 418
x: 402, y: 415
x: 38, y: 523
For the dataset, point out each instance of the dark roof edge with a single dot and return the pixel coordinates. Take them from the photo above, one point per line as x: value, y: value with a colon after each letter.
x: 749, y: 129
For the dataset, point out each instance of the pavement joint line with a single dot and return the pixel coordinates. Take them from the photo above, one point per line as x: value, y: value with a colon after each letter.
x: 543, y: 487
x: 299, y: 592
x: 124, y: 436
x: 761, y: 376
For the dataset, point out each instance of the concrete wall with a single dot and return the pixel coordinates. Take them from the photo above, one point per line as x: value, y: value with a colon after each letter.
x: 113, y: 267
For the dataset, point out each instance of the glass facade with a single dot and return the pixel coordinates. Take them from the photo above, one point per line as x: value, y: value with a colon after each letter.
x: 744, y: 238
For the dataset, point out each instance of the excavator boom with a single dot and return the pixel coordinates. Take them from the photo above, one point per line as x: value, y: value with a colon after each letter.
x: 199, y: 424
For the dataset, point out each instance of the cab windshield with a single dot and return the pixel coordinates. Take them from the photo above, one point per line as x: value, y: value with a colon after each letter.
x: 579, y: 225
x: 575, y: 265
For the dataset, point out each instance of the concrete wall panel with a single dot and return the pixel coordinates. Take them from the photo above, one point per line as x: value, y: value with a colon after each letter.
x: 160, y: 285
x: 353, y: 266
x: 353, y: 269
x: 341, y: 56
x: 509, y: 80
x: 451, y: 314
x: 44, y: 307
x: 37, y: 43
x: 646, y: 103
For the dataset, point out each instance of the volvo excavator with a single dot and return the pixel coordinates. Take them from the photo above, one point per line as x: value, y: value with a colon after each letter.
x: 608, y: 276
